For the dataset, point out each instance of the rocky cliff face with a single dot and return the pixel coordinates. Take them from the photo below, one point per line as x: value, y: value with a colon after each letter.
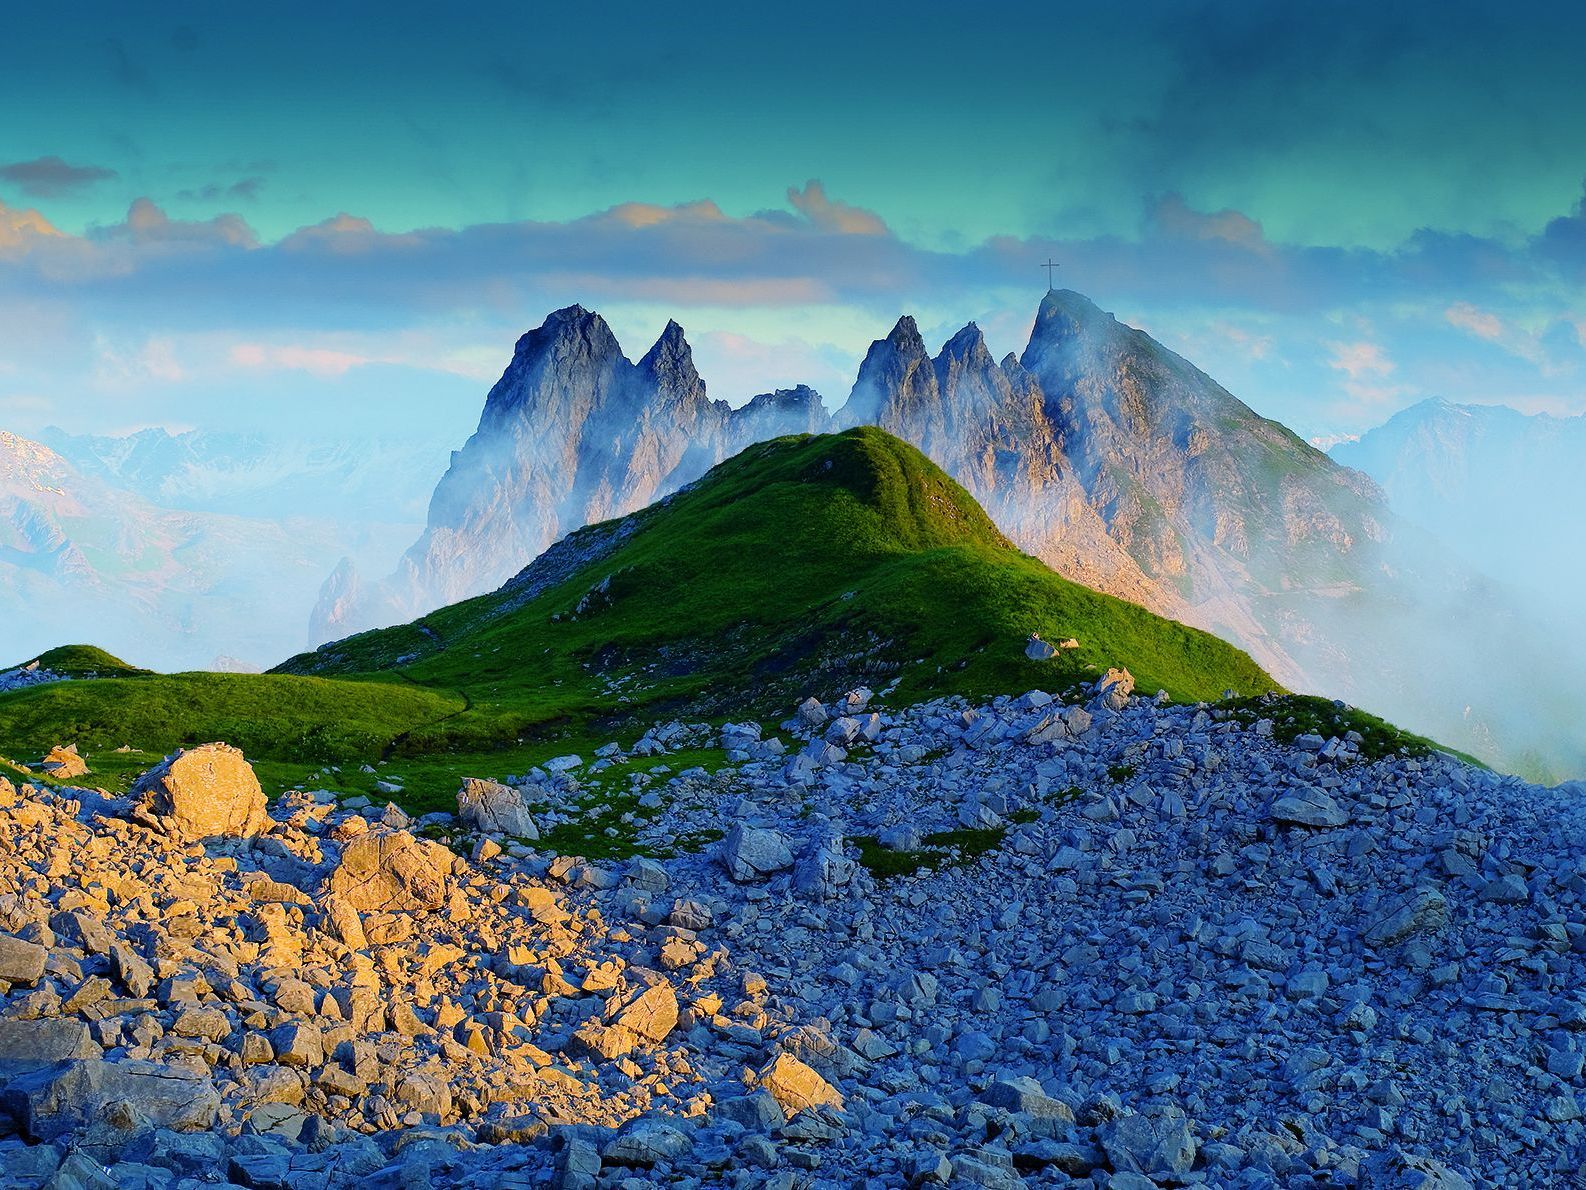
x: 987, y: 425
x: 572, y: 433
x: 1111, y: 458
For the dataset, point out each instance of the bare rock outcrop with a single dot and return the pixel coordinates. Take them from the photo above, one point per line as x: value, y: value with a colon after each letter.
x: 64, y: 763
x: 202, y: 793
x: 391, y: 871
x: 495, y: 808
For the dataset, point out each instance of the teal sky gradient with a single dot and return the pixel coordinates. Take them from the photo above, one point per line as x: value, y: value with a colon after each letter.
x: 1279, y: 191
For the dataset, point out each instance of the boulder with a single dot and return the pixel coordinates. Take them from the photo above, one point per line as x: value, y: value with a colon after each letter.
x: 1308, y: 807
x: 68, y: 1097
x: 496, y: 808
x: 1037, y: 649
x: 1158, y: 1145
x: 824, y: 870
x: 202, y: 793
x: 387, y: 871
x: 1114, y: 688
x: 906, y: 836
x: 753, y: 853
x: 63, y: 763
x: 1423, y: 911
x: 811, y: 713
x: 21, y: 961
x: 1024, y: 1096
x: 795, y: 1086
x: 30, y: 1044
x: 650, y: 1017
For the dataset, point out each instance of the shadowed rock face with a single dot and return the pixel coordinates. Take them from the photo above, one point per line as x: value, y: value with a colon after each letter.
x: 572, y: 433
x: 1099, y: 451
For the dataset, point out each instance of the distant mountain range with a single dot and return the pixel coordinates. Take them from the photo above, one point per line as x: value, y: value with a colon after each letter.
x: 369, y: 481
x: 1097, y: 450
x: 1491, y: 482
x: 141, y: 541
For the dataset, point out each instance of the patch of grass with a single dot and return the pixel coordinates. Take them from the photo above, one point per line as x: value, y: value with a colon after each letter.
x: 1120, y: 773
x: 1024, y: 814
x: 82, y: 661
x: 938, y: 850
x: 1294, y: 715
x: 270, y: 717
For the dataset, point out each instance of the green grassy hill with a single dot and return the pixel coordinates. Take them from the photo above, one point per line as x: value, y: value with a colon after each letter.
x: 803, y: 565
x: 82, y: 661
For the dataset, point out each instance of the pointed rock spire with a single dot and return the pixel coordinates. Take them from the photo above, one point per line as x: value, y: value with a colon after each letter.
x: 887, y: 378
x: 667, y: 369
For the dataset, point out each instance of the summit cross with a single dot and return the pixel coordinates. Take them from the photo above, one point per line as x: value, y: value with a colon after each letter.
x: 1049, y: 266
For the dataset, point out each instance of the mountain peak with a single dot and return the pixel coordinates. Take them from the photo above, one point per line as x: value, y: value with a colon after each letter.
x: 968, y: 344
x: 669, y: 365
x: 905, y: 336
x: 671, y: 347
x: 1067, y: 312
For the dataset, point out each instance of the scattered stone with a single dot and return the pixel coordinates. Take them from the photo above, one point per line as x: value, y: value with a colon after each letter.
x: 496, y: 808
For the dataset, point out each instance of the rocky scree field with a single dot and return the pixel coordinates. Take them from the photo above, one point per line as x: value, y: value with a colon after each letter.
x: 1135, y: 943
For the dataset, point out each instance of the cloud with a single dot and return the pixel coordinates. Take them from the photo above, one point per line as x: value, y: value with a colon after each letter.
x: 19, y: 226
x: 1481, y: 323
x: 319, y: 361
x: 121, y: 365
x: 148, y: 224
x: 1360, y: 359
x: 1171, y: 216
x: 828, y: 215
x: 246, y: 189
x: 50, y: 177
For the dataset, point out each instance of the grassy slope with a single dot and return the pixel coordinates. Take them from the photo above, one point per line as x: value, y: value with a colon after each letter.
x: 802, y: 565
x: 82, y: 661
x: 799, y: 565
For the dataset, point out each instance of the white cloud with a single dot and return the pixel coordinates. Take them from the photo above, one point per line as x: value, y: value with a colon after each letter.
x: 1360, y: 359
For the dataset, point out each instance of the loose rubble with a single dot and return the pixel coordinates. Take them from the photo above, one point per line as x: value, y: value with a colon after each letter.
x: 1105, y: 943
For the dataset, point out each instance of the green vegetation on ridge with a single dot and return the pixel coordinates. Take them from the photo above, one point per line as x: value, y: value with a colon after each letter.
x: 82, y: 661
x: 804, y: 564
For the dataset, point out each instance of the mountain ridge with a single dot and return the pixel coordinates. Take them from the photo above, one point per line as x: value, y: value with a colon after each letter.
x: 1098, y: 450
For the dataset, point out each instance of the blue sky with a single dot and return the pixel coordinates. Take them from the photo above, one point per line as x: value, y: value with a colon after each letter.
x: 299, y: 219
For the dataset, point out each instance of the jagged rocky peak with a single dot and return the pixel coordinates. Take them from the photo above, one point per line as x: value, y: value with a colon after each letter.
x: 797, y: 410
x: 1063, y: 312
x: 968, y: 346
x: 895, y: 381
x: 666, y: 375
x: 571, y: 360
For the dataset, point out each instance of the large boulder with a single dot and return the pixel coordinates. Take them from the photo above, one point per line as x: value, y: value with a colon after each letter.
x: 27, y: 1045
x: 390, y: 871
x: 21, y: 961
x: 1422, y: 911
x: 1308, y: 807
x: 68, y: 1097
x: 1114, y: 688
x: 202, y: 793
x: 824, y: 870
x: 752, y: 853
x: 796, y: 1087
x: 495, y: 808
x: 649, y: 1017
x: 63, y: 763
